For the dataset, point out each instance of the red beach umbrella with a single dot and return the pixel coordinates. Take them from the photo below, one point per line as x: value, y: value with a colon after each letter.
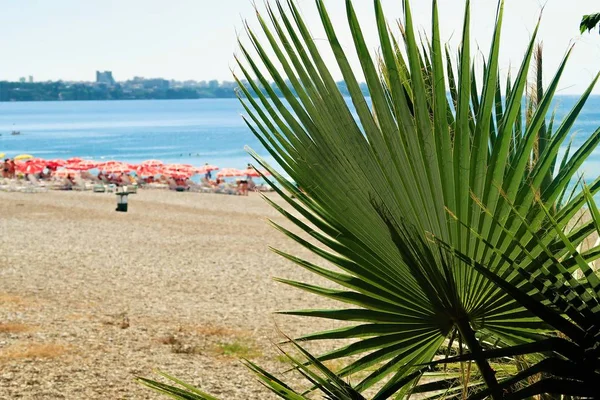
x: 152, y: 163
x: 206, y: 168
x: 230, y: 172
x: 109, y: 163
x: 185, y: 169
x: 77, y: 167
x: 178, y: 166
x: 74, y: 160
x: 58, y: 162
x: 143, y: 170
x: 63, y: 173
x: 254, y: 173
x: 116, y: 168
x: 33, y: 166
x: 178, y: 175
x: 89, y: 164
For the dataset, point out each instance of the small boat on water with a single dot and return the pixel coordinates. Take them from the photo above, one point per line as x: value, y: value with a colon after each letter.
x: 15, y: 133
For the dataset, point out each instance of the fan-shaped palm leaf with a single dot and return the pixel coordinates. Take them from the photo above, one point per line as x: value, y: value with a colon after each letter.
x: 377, y: 172
x: 570, y: 358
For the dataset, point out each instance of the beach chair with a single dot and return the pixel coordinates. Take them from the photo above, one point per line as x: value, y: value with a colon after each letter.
x: 60, y: 185
x: 226, y: 189
x: 174, y: 186
x: 37, y: 185
x: 79, y: 184
x: 99, y: 188
x: 205, y: 186
x: 140, y: 182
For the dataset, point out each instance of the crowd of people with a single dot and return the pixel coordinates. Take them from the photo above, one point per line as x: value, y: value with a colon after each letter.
x: 50, y: 176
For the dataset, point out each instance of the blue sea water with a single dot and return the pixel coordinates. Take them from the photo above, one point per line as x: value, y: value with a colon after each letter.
x: 174, y: 131
x: 181, y: 131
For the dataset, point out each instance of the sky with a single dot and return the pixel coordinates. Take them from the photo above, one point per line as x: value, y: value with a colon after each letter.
x: 196, y: 39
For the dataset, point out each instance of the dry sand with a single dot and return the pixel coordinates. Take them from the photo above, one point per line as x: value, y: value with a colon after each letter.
x: 91, y: 298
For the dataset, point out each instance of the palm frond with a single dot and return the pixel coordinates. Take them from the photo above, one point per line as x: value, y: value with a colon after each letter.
x: 379, y: 172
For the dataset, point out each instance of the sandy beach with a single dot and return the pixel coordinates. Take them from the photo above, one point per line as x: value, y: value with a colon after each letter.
x: 91, y: 298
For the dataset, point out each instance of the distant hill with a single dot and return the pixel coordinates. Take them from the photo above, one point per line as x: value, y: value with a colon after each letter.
x: 138, y: 89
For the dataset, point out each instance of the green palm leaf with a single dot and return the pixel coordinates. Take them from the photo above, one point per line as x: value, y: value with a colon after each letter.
x: 440, y: 216
x: 376, y: 178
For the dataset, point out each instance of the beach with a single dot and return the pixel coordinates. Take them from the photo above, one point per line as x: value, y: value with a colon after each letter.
x: 182, y: 282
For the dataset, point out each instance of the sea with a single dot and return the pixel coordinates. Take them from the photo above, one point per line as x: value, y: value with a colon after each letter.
x: 175, y: 131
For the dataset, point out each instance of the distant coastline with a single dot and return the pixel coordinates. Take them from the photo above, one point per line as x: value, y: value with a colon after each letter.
x: 136, y: 89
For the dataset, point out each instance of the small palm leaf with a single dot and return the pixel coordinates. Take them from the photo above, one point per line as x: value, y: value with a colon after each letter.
x: 589, y: 22
x: 183, y: 391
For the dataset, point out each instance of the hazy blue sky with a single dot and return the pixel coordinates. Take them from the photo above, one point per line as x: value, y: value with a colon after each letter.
x: 195, y: 39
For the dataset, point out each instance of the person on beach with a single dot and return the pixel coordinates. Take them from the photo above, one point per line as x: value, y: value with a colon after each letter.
x: 251, y: 184
x: 12, y: 168
x: 243, y: 187
x: 5, y: 166
x: 208, y: 174
x: 69, y: 182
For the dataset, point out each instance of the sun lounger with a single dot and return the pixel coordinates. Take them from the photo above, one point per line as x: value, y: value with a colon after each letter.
x: 226, y: 189
x: 99, y: 188
x: 34, y: 185
x: 80, y: 184
x: 174, y: 186
x: 60, y: 185
x: 263, y: 188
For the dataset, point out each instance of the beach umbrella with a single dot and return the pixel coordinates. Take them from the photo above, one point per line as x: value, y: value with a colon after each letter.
x: 178, y: 175
x: 152, y: 163
x: 116, y: 168
x: 30, y: 160
x: 63, y: 173
x: 77, y: 167
x: 171, y: 169
x: 206, y: 168
x: 23, y: 157
x: 30, y: 168
x: 107, y: 163
x: 254, y: 173
x: 147, y: 171
x: 230, y: 172
x: 89, y: 164
x: 178, y: 166
x: 53, y: 164
x: 74, y: 160
x: 2, y: 155
x: 82, y: 166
